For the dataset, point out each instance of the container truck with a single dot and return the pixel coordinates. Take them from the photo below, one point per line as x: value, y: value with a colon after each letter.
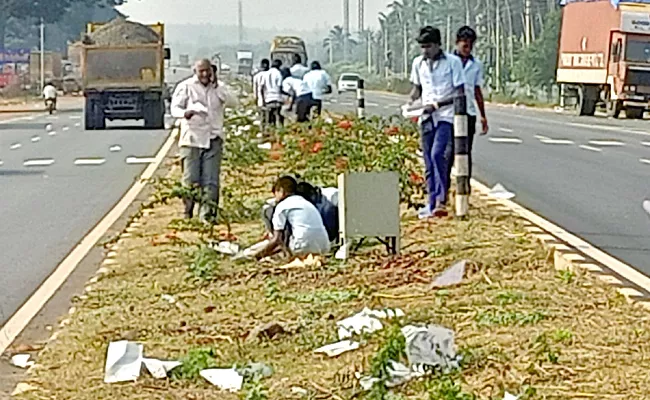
x: 604, y: 56
x: 284, y: 47
x: 122, y: 67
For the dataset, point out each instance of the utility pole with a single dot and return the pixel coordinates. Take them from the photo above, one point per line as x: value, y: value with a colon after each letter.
x: 448, y: 34
x: 369, y: 44
x: 361, y: 12
x: 42, y: 66
x: 527, y: 29
x: 241, y: 22
x: 406, y: 48
x: 498, y: 44
x: 385, y: 37
x: 346, y: 27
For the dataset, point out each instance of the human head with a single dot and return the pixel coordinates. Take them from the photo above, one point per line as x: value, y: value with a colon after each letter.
x: 430, y: 41
x: 465, y: 39
x: 286, y: 72
x: 284, y: 187
x: 306, y: 190
x: 315, y: 65
x: 297, y: 59
x: 215, y: 73
x: 277, y: 64
x: 264, y: 64
x: 203, y: 71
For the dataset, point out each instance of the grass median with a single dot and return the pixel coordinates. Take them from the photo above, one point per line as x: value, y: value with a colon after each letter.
x: 520, y: 325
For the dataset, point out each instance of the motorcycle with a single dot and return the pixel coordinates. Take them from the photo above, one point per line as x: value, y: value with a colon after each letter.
x: 50, y: 105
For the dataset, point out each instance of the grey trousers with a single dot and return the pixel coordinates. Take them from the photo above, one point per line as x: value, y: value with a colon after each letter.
x: 201, y: 168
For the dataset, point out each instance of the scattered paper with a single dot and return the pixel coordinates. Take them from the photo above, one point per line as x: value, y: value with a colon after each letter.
x: 23, y: 387
x: 432, y: 345
x: 264, y: 146
x: 500, y: 192
x: 508, y: 396
x: 224, y: 379
x: 36, y: 139
x: 309, y: 261
x: 168, y: 298
x: 115, y: 148
x: 48, y: 127
x: 22, y: 361
x: 646, y: 206
x: 158, y: 368
x: 338, y: 348
x: 255, y: 370
x: 366, y: 321
x: 15, y: 146
x: 226, y: 247
x: 451, y: 276
x: 123, y: 362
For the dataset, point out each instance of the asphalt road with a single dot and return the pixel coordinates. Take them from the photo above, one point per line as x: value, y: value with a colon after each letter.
x: 46, y: 209
x: 588, y: 175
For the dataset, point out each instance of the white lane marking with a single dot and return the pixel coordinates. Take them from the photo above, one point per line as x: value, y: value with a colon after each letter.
x: 36, y: 139
x: 542, y: 137
x: 333, y: 101
x: 52, y: 117
x: 601, y: 127
x: 647, y: 144
x: 10, y: 120
x: 38, y: 162
x: 115, y: 148
x: 15, y: 146
x: 644, y: 160
x: 140, y: 160
x: 625, y: 270
x: 506, y: 130
x: 35, y: 303
x: 346, y: 103
x: 89, y: 161
x: 75, y: 117
x: 372, y: 105
x: 557, y: 141
x: 606, y: 143
x: 65, y: 128
x: 590, y: 148
x: 505, y: 140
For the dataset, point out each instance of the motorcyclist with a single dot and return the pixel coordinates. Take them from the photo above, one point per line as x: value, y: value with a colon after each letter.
x: 50, y: 93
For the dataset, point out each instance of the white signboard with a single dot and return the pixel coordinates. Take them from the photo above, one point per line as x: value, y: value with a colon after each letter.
x: 582, y: 60
x: 635, y: 22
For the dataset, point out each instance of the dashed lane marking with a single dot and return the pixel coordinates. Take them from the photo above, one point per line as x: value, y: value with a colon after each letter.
x: 505, y: 140
x: 38, y: 162
x: 591, y: 148
x: 557, y: 141
x: 89, y: 161
x: 606, y: 143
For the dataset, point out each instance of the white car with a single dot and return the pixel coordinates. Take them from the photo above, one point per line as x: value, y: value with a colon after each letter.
x: 348, y: 82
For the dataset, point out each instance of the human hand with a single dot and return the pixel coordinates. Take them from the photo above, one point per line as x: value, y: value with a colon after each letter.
x: 484, y: 126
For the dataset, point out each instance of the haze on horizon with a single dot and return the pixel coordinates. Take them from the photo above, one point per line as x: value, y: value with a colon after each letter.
x: 304, y: 15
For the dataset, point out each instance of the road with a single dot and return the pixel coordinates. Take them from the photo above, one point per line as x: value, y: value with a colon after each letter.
x: 46, y: 209
x: 588, y: 175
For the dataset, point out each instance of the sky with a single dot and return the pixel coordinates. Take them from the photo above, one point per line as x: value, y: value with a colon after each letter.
x: 295, y: 14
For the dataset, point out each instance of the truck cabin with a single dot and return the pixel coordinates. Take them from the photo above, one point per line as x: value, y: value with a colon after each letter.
x: 630, y: 63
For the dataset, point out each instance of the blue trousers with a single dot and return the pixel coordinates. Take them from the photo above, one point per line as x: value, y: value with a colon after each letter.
x: 437, y: 149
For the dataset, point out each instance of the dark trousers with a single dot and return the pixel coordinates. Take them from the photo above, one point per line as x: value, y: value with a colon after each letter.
x: 437, y: 151
x: 267, y: 216
x: 471, y: 131
x: 304, y: 104
x: 274, y: 114
x: 318, y: 105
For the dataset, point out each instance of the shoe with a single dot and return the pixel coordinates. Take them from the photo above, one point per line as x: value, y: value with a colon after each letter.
x: 424, y: 212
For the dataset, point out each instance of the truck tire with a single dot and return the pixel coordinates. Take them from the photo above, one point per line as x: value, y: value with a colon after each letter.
x: 154, y: 114
x: 587, y: 100
x: 614, y: 108
x: 98, y: 115
x: 89, y: 121
x: 634, y: 112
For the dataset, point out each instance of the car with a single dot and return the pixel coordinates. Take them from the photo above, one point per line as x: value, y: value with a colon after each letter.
x: 348, y: 82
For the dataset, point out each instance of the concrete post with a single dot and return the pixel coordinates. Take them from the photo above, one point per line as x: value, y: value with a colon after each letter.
x: 361, y: 100
x: 461, y: 156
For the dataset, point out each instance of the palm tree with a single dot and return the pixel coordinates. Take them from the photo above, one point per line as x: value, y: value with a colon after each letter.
x: 334, y: 42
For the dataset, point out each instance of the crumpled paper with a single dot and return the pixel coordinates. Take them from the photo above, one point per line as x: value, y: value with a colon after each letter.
x: 22, y: 361
x: 451, y: 276
x: 646, y: 206
x: 158, y: 368
x: 366, y: 321
x: 500, y: 192
x: 225, y: 379
x: 338, y: 348
x: 432, y: 345
x: 123, y: 362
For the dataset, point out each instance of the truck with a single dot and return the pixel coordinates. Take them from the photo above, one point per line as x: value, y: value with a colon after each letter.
x: 604, y: 56
x: 122, y: 69
x: 284, y: 47
x: 245, y: 63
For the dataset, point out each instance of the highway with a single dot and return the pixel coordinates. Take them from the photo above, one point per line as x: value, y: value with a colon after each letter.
x: 57, y: 182
x: 588, y: 175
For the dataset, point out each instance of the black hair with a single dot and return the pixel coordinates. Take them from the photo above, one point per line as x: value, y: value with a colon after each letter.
x: 287, y: 184
x: 466, y: 33
x: 429, y: 35
x: 277, y: 64
x: 315, y: 65
x: 285, y: 72
x: 297, y: 59
x: 265, y: 63
x: 308, y: 191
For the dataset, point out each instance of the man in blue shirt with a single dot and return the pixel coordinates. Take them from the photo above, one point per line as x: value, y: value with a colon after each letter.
x: 436, y: 77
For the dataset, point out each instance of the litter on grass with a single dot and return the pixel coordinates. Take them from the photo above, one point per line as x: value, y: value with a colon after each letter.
x: 251, y: 251
x: 451, y: 276
x: 123, y: 362
x: 309, y: 261
x: 22, y: 361
x: 23, y: 387
x: 255, y: 370
x: 226, y: 248
x: 264, y: 146
x: 366, y: 321
x: 158, y: 368
x: 500, y: 192
x: 168, y: 298
x: 338, y: 348
x: 432, y: 346
x: 224, y: 379
x: 508, y: 396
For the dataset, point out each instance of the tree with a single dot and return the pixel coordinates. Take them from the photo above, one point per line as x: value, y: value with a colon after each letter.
x: 333, y: 43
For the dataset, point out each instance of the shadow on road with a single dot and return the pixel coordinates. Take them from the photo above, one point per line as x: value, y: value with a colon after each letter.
x: 20, y: 172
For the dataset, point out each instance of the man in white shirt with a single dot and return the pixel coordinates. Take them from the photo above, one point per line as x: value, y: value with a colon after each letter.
x: 199, y: 104
x: 319, y: 83
x: 300, y: 95
x: 297, y: 224
x: 436, y: 77
x: 258, y: 79
x: 297, y: 69
x: 272, y: 94
x: 50, y: 93
x: 474, y: 80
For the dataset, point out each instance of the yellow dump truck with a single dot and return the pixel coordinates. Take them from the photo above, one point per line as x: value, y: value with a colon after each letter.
x: 284, y: 47
x: 122, y: 67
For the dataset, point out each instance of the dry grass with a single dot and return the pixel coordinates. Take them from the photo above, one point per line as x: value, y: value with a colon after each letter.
x: 520, y: 324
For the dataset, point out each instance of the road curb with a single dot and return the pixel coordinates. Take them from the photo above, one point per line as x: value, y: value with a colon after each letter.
x: 569, y: 252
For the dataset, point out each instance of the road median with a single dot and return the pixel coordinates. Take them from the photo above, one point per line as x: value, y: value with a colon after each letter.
x: 520, y: 326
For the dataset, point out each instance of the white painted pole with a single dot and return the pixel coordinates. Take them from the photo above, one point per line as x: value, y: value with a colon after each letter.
x: 42, y: 66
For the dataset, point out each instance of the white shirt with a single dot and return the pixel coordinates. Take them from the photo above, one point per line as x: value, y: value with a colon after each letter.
x: 258, y: 79
x: 473, y: 78
x: 299, y: 71
x: 308, y: 234
x: 317, y: 80
x: 272, y: 85
x: 439, y: 80
x: 331, y: 194
x: 191, y: 94
x: 295, y: 86
x: 49, y: 92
